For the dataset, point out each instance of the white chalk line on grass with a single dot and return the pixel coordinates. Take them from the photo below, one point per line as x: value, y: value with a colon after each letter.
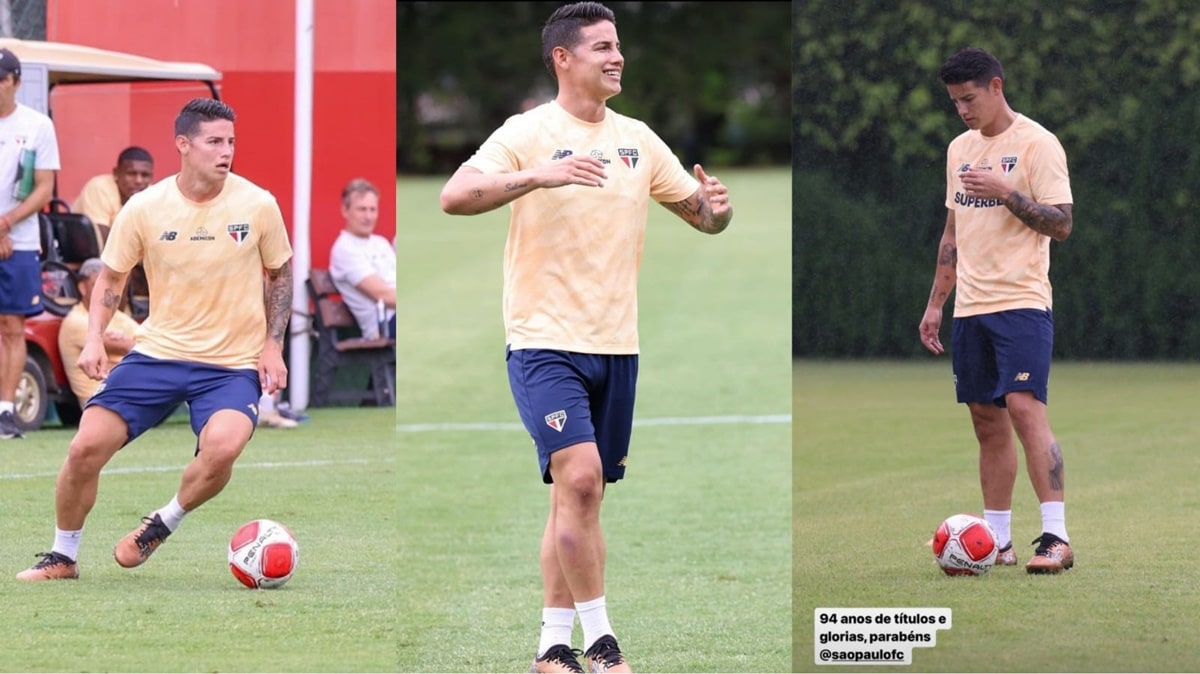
x: 139, y: 470
x: 660, y: 421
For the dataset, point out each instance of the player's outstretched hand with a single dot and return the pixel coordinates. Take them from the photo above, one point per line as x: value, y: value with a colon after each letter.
x: 716, y: 194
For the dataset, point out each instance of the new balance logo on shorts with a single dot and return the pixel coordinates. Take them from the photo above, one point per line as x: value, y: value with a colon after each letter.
x: 557, y: 420
x: 1021, y: 376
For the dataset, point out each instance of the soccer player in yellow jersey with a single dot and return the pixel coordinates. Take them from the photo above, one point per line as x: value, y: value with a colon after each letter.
x: 579, y: 179
x: 1008, y: 195
x: 213, y: 339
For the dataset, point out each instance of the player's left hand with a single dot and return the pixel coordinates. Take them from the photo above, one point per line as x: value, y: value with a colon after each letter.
x: 6, y: 247
x: 272, y: 373
x: 715, y: 193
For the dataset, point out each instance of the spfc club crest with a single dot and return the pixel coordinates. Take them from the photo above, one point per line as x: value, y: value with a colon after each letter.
x: 1007, y: 164
x: 557, y: 420
x: 629, y: 156
x: 239, y: 232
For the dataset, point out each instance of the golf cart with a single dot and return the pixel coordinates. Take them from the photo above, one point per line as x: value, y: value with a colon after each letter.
x: 70, y: 238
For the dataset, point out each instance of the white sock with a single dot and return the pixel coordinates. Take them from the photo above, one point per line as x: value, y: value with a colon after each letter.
x: 593, y: 617
x: 7, y: 406
x: 266, y: 405
x: 66, y: 543
x: 557, y: 625
x: 1054, y: 519
x: 1001, y: 521
x: 172, y: 514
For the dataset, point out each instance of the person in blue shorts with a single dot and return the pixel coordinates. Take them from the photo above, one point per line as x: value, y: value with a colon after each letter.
x: 579, y: 179
x: 1008, y: 195
x: 28, y: 165
x: 214, y: 338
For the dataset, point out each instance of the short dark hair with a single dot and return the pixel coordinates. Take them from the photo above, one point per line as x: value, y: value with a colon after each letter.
x: 971, y: 64
x: 134, y: 153
x: 200, y: 110
x: 357, y: 186
x: 562, y: 28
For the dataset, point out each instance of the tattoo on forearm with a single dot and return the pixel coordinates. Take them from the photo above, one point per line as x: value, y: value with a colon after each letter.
x: 110, y: 300
x: 1056, y: 471
x: 513, y: 187
x: 477, y: 194
x: 1052, y: 221
x: 696, y: 212
x: 279, y: 301
x: 948, y: 256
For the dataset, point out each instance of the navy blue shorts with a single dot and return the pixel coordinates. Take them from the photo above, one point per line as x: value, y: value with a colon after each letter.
x: 566, y: 398
x: 21, y: 284
x: 996, y: 354
x: 144, y: 390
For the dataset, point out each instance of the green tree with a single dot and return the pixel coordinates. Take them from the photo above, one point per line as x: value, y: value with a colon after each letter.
x: 1117, y: 82
x: 706, y: 76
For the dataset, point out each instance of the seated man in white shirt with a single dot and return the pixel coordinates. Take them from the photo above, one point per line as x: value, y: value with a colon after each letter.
x: 363, y: 263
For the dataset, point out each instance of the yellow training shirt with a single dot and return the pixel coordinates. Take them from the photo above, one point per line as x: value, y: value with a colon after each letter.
x: 1002, y: 263
x: 204, y: 263
x: 573, y: 253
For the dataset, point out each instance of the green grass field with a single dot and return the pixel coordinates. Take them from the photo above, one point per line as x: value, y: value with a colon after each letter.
x: 697, y: 535
x: 883, y: 454
x: 332, y: 481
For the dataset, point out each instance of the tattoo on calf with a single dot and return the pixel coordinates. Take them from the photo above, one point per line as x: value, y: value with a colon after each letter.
x: 1056, y: 471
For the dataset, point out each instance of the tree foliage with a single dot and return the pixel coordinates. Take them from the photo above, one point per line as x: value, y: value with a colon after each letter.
x: 711, y: 78
x: 1117, y: 82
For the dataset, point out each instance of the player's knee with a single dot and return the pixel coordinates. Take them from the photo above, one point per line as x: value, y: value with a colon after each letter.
x: 581, y: 486
x: 87, y: 455
x: 225, y: 434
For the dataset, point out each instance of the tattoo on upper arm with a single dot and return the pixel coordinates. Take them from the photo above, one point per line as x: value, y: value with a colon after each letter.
x: 477, y: 194
x: 1052, y: 221
x: 279, y: 301
x: 1056, y: 471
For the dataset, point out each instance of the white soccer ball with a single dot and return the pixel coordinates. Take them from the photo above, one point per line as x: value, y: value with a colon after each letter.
x: 965, y: 545
x: 263, y: 554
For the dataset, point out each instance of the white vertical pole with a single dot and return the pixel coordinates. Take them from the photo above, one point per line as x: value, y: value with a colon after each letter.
x: 298, y: 378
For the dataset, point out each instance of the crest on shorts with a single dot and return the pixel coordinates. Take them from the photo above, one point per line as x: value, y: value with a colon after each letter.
x: 557, y: 420
x: 238, y: 231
